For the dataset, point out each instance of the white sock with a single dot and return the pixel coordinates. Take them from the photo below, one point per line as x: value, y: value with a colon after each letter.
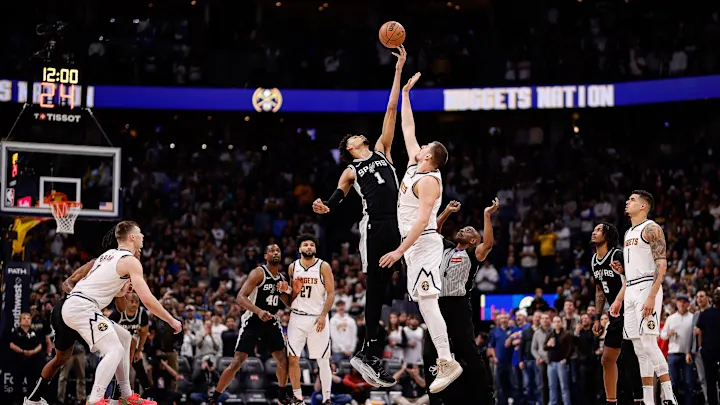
x: 430, y: 310
x: 298, y: 393
x: 112, y: 351
x: 325, y: 377
x: 648, y: 395
x: 668, y: 391
x: 122, y: 374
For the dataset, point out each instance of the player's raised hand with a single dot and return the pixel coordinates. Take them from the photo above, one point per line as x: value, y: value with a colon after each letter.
x: 284, y: 287
x: 297, y: 285
x: 411, y: 82
x: 453, y: 206
x: 390, y: 258
x: 494, y: 207
x: 319, y: 207
x: 176, y: 325
x: 615, y: 309
x: 617, y: 266
x: 320, y: 323
x: 401, y: 55
x: 597, y: 328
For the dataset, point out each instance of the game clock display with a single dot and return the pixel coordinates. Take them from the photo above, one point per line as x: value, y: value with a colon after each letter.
x: 60, y: 87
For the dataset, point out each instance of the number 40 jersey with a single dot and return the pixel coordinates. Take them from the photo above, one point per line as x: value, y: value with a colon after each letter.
x: 610, y: 281
x: 266, y: 295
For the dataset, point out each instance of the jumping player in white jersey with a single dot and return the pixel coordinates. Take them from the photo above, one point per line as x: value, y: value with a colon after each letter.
x: 421, y: 246
x: 111, y: 276
x: 313, y: 294
x: 644, y: 269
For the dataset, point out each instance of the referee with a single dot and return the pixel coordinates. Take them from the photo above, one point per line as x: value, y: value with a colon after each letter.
x: 461, y: 259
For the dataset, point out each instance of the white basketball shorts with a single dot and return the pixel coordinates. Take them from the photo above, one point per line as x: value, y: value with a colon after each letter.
x: 302, y: 330
x: 83, y: 315
x: 635, y: 325
x: 423, y: 261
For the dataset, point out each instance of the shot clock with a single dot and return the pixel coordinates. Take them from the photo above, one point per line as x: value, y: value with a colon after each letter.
x: 60, y: 87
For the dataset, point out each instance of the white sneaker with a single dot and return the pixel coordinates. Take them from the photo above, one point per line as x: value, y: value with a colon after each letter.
x: 40, y: 402
x: 445, y: 373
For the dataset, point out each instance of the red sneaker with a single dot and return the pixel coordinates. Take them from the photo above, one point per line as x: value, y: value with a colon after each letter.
x: 102, y: 401
x: 135, y: 399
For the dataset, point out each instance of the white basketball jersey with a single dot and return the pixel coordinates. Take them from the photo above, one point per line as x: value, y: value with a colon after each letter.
x: 311, y: 299
x: 103, y: 282
x: 639, y: 262
x: 408, y: 202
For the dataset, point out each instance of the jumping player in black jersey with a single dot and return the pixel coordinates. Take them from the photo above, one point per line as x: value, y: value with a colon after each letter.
x: 372, y: 175
x: 260, y: 296
x: 610, y: 287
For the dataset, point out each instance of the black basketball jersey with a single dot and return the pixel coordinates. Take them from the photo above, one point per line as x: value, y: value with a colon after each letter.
x: 266, y: 295
x: 131, y: 323
x: 377, y: 184
x: 611, y: 281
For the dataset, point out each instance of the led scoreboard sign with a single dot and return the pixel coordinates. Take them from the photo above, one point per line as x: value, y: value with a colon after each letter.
x: 60, y: 87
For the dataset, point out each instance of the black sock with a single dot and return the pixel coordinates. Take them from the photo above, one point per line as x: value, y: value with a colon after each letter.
x: 216, y: 395
x: 283, y: 392
x: 40, y: 388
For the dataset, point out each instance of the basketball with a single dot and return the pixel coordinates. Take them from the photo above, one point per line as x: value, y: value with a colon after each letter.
x: 392, y: 34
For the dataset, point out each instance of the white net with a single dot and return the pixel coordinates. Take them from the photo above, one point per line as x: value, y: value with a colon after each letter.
x: 65, y: 213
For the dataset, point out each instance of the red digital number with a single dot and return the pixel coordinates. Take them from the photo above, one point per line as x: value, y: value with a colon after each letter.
x: 45, y: 94
x: 70, y: 95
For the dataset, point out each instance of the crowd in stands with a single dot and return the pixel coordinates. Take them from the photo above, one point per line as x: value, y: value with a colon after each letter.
x: 334, y: 44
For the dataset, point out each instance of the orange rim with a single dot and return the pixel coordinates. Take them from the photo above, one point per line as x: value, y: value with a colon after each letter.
x: 61, y: 208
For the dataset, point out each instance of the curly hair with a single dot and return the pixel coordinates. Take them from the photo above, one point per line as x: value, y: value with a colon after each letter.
x: 345, y: 155
x: 612, y: 236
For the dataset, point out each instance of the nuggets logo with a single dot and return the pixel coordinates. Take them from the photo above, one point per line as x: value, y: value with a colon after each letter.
x: 102, y: 327
x: 267, y: 100
x: 403, y: 187
x: 651, y: 325
x: 425, y: 285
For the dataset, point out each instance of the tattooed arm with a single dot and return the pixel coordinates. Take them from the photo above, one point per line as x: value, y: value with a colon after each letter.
x: 599, y: 298
x: 655, y: 237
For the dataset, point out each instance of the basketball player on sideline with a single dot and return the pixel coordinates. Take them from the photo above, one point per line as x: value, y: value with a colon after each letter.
x: 109, y: 277
x: 610, y: 287
x: 65, y: 337
x: 313, y: 295
x: 461, y: 260
x: 372, y: 175
x: 422, y: 246
x: 645, y: 266
x: 260, y: 296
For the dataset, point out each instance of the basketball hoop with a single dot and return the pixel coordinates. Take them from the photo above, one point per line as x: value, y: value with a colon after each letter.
x: 65, y: 213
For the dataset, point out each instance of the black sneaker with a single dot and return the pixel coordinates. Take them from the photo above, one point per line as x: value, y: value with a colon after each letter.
x: 284, y: 396
x: 296, y: 401
x: 373, y: 371
x: 211, y: 401
x: 326, y: 402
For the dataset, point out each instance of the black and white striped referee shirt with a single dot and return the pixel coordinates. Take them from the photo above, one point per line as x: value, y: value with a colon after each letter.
x: 458, y: 270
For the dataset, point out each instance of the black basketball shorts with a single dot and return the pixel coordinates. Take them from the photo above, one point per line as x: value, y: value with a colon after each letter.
x: 614, y: 335
x: 65, y: 336
x: 377, y: 238
x: 254, y: 331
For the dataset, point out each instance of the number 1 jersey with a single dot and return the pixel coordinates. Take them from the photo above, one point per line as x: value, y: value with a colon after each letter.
x: 377, y: 184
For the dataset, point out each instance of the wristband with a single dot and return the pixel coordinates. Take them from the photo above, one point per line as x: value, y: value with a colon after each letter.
x: 288, y: 290
x: 335, y: 199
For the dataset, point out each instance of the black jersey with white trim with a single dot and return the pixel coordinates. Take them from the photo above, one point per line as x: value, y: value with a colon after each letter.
x: 377, y: 184
x: 609, y: 279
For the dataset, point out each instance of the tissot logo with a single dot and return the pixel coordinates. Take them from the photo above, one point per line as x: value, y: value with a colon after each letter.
x: 57, y: 117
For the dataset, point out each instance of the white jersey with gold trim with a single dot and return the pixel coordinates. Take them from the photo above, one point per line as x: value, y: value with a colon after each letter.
x: 639, y: 262
x: 103, y: 282
x: 408, y: 202
x: 311, y: 299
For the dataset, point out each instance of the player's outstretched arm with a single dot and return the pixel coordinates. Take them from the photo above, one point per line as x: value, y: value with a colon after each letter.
x: 255, y: 277
x: 77, y: 275
x: 384, y: 144
x: 488, y: 242
x: 453, y: 206
x: 408, y: 122
x: 346, y: 180
x: 428, y: 190
x: 132, y: 266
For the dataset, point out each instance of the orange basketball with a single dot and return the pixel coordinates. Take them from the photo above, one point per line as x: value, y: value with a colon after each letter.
x: 392, y: 34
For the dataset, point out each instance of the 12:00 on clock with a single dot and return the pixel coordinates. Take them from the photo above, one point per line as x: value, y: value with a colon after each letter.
x: 58, y: 84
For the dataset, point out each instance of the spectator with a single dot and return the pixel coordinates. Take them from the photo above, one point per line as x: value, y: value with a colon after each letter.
x: 414, y: 335
x: 229, y: 337
x: 412, y: 382
x: 528, y: 365
x: 396, y: 340
x: 206, y: 345
x: 336, y: 398
x: 486, y: 279
x: 587, y: 360
x: 501, y: 355
x: 542, y: 359
x: 360, y: 389
x: 694, y: 355
x: 678, y: 329
x: 547, y: 251
x: 529, y: 260
x: 513, y: 342
x: 559, y: 347
x: 77, y: 363
x: 204, y: 381
x: 343, y: 333
x: 709, y: 343
x: 510, y: 276
x: 27, y: 347
x: 538, y: 303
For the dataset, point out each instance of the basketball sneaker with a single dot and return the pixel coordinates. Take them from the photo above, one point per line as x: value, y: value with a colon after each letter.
x: 101, y: 401
x: 445, y: 372
x: 40, y: 402
x: 135, y: 399
x: 372, y: 370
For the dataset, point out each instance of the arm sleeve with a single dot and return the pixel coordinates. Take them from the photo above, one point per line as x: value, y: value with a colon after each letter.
x: 144, y: 318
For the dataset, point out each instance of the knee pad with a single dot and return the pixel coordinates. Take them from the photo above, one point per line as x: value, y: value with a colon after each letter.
x: 427, y: 304
x: 646, y: 368
x: 655, y: 355
x: 323, y: 362
x: 123, y: 335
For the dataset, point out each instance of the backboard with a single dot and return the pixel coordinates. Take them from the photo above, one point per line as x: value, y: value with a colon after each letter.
x: 32, y: 171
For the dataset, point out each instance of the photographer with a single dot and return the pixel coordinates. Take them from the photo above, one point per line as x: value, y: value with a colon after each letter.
x: 204, y: 381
